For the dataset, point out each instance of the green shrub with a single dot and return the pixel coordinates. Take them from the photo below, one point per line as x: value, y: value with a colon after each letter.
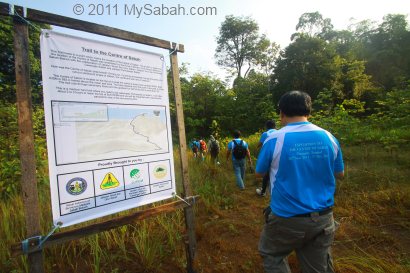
x: 10, y: 169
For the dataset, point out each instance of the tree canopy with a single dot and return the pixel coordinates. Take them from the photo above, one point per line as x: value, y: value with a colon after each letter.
x: 240, y: 44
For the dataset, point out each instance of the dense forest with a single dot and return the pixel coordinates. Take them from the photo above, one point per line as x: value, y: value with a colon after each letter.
x: 358, y: 78
x: 361, y: 74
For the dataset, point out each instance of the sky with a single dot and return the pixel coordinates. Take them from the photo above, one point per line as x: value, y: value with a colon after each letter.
x: 276, y: 19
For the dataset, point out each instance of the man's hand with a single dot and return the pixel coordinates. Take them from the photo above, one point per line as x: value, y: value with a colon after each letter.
x: 340, y: 175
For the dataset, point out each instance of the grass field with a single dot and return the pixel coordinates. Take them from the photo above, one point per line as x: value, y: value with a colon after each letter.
x: 372, y: 207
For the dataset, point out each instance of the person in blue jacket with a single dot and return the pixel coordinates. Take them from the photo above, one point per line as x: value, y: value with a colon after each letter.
x: 303, y: 161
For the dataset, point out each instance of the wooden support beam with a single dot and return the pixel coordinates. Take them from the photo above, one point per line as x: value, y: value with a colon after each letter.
x: 78, y: 233
x: 26, y: 140
x: 190, y: 244
x: 62, y: 21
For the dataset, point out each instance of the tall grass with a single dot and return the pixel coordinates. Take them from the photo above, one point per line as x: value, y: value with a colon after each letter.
x: 372, y: 204
x: 144, y: 245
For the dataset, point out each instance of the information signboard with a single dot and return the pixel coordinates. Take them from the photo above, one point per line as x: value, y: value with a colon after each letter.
x: 108, y: 127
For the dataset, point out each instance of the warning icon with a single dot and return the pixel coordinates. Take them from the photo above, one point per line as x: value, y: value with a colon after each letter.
x: 109, y: 182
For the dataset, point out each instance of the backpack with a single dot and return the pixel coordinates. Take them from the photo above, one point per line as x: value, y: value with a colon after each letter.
x: 214, y: 147
x: 202, y: 145
x: 239, y: 151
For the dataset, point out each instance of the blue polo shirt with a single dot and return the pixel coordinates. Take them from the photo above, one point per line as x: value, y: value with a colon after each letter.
x: 265, y: 135
x: 301, y: 159
x: 237, y: 140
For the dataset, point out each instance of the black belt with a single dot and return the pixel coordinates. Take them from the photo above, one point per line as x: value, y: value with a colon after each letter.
x: 315, y: 213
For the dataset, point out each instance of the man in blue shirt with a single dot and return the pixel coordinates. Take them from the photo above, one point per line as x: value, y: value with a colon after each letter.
x: 239, y: 149
x: 303, y: 161
x: 270, y: 128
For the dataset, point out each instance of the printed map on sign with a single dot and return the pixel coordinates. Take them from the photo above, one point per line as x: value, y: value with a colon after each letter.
x: 107, y: 131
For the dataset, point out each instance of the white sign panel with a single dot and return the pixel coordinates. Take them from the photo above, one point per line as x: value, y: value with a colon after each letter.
x: 108, y: 127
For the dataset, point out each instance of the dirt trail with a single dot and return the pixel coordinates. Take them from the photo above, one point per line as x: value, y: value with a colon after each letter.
x: 228, y: 238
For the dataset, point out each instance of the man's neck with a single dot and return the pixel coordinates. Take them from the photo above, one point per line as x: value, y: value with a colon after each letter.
x: 287, y: 120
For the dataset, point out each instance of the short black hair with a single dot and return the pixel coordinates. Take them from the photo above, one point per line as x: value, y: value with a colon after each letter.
x: 295, y: 103
x: 236, y: 134
x: 270, y: 124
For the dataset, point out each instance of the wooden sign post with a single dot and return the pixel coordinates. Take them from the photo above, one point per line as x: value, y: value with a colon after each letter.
x: 26, y: 139
x: 190, y: 244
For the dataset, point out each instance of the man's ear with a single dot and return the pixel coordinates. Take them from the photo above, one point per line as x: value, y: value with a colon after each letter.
x: 283, y: 119
x: 282, y: 116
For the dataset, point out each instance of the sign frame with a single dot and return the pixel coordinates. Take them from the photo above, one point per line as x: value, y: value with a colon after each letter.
x: 21, y: 16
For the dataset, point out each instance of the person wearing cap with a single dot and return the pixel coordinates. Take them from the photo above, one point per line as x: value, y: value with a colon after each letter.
x: 303, y: 161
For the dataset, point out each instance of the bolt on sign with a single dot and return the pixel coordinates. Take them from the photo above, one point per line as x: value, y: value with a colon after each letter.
x: 108, y: 127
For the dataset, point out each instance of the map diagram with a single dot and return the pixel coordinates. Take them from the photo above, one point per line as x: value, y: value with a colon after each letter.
x: 107, y: 131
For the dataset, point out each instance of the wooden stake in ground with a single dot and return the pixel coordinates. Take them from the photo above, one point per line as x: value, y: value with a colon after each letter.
x: 190, y: 243
x: 26, y: 136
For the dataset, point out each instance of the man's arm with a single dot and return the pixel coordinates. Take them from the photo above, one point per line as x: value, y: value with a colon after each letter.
x: 228, y: 153
x: 265, y: 158
x: 248, y: 155
x: 339, y: 164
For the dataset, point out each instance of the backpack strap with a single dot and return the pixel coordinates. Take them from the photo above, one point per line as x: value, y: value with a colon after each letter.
x: 236, y: 143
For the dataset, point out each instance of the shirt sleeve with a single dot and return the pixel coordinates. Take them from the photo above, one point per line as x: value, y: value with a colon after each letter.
x: 339, y: 164
x: 263, y: 137
x: 265, y: 156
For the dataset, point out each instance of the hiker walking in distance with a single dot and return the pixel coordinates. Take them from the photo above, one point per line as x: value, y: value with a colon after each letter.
x: 304, y: 161
x: 213, y: 146
x: 270, y: 128
x: 239, y: 149
x: 202, y: 148
x: 194, y: 147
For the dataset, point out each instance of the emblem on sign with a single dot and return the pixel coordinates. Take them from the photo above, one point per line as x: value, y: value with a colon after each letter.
x: 76, y: 186
x: 135, y: 176
x: 160, y: 171
x: 109, y: 182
